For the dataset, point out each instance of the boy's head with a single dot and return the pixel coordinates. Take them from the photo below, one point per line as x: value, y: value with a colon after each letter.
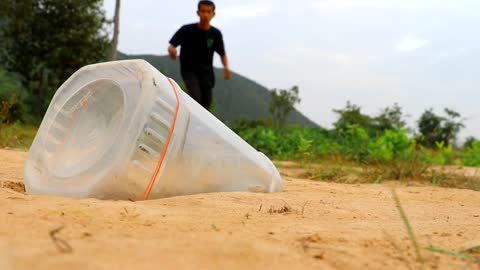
x: 206, y: 3
x: 206, y: 10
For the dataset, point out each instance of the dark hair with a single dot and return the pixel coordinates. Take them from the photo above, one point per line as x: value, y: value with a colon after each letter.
x: 207, y: 3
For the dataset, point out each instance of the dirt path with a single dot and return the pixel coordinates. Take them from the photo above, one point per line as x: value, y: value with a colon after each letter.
x: 312, y: 225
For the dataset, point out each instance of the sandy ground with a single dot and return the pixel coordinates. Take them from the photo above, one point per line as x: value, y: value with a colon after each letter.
x: 312, y: 225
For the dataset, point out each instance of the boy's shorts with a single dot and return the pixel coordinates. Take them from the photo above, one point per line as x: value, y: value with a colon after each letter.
x: 199, y: 86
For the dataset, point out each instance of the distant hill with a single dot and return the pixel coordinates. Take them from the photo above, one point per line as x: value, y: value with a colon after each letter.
x: 235, y: 98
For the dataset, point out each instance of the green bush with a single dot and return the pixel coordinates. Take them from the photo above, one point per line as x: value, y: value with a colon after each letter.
x: 241, y: 124
x: 442, y: 155
x: 12, y: 98
x: 471, y: 156
x: 305, y: 143
x: 354, y: 143
x: 261, y: 138
x: 291, y: 142
x: 392, y: 148
x: 392, y: 145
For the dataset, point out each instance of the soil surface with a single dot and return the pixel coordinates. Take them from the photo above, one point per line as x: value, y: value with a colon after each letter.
x: 311, y: 225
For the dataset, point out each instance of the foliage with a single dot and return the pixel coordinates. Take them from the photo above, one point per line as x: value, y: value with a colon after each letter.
x: 12, y: 98
x: 351, y: 115
x: 263, y: 139
x: 437, y: 129
x: 469, y: 141
x: 242, y: 123
x: 471, y: 156
x: 16, y: 135
x: 441, y: 155
x: 308, y: 143
x: 291, y: 142
x: 390, y: 118
x: 354, y: 143
x: 392, y: 145
x: 394, y: 154
x: 47, y: 40
x: 282, y: 103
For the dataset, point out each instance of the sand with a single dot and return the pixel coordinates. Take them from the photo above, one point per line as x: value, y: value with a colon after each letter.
x: 311, y: 225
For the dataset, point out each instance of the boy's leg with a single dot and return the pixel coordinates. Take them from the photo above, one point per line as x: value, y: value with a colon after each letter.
x: 206, y: 82
x: 193, y: 85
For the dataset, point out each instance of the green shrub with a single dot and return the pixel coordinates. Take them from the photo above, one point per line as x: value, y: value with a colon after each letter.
x: 442, y: 155
x: 392, y: 145
x: 471, y: 156
x: 17, y: 135
x: 263, y: 139
x: 290, y: 142
x: 12, y: 98
x: 393, y: 149
x: 354, y: 143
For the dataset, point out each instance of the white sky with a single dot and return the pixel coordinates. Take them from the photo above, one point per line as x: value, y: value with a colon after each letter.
x: 419, y: 53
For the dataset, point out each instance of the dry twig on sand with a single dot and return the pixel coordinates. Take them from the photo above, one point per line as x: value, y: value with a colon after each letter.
x: 59, y: 243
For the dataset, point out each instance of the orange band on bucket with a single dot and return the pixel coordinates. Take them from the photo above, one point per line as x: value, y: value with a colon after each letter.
x: 146, y: 194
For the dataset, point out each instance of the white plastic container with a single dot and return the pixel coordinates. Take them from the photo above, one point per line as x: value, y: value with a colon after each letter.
x: 122, y: 130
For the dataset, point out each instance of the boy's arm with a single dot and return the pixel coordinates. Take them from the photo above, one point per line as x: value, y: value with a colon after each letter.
x: 174, y: 42
x: 220, y: 49
x: 226, y: 70
x: 172, y: 51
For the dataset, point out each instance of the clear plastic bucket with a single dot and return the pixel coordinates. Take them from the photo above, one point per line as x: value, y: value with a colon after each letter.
x: 122, y: 130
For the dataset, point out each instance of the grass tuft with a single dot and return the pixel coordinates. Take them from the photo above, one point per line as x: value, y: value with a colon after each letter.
x: 406, y: 222
x: 17, y: 136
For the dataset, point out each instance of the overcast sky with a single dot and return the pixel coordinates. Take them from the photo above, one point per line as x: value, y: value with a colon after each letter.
x: 418, y: 53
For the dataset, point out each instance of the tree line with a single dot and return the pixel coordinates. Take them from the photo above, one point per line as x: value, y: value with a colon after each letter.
x: 432, y: 129
x: 43, y: 42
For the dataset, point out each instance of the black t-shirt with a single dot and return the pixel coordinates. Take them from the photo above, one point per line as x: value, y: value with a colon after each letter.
x: 197, y: 46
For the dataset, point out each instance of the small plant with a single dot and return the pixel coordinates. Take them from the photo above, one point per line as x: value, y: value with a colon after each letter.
x: 446, y: 155
x: 409, y: 228
x: 281, y: 210
x: 305, y: 148
x: 449, y: 252
x: 286, y: 209
x: 330, y: 173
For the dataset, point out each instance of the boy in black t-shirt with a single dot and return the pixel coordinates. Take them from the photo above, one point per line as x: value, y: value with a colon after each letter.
x: 198, y: 42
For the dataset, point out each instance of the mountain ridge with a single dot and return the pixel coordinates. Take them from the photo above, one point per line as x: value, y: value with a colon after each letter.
x: 239, y: 97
